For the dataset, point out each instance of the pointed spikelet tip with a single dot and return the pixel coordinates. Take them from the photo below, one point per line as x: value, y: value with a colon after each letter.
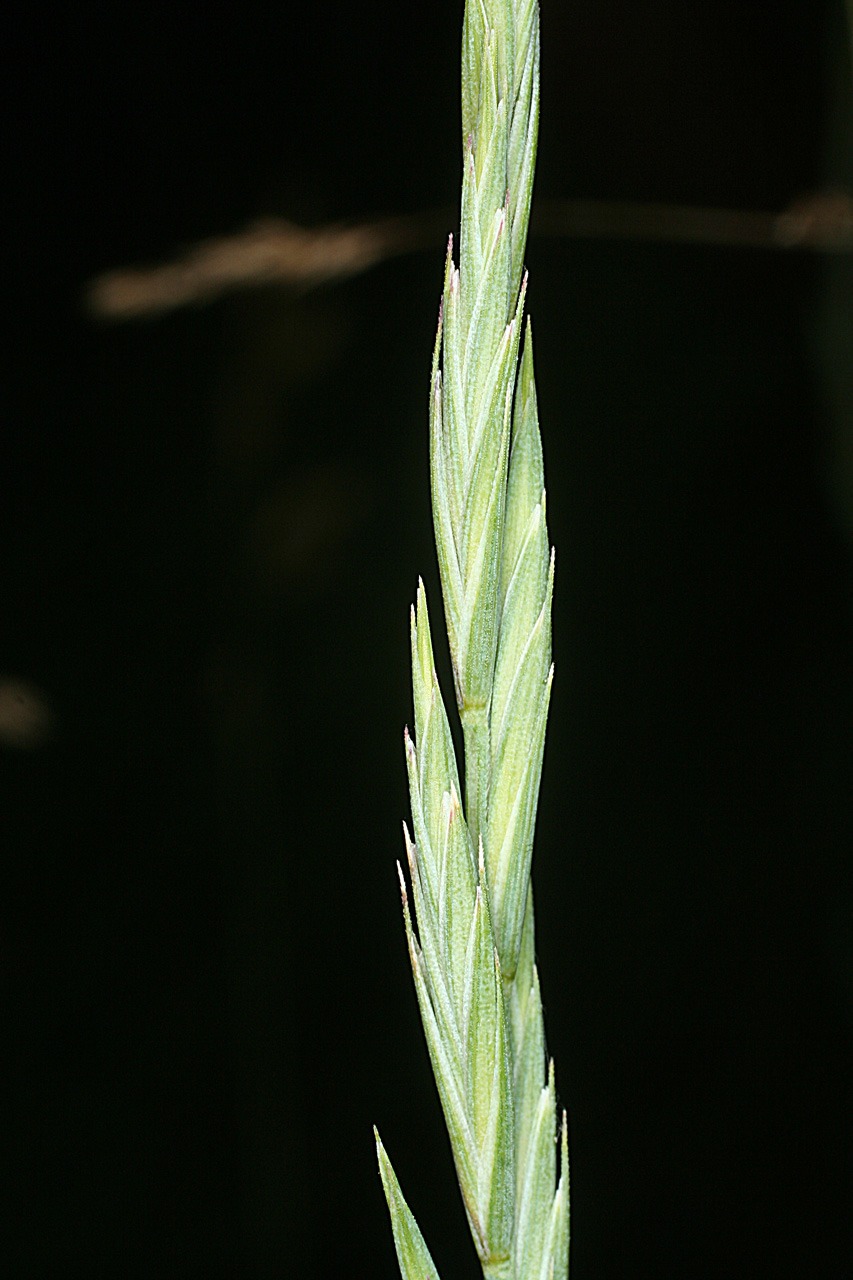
x: 402, y: 880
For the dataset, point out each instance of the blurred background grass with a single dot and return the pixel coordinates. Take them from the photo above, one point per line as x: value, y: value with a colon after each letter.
x: 212, y: 525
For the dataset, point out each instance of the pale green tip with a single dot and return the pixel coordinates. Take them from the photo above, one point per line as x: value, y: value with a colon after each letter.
x: 412, y: 1253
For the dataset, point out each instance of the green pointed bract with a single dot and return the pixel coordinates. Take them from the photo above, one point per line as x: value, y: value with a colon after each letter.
x: 513, y: 797
x: 432, y: 767
x: 412, y: 1253
x: 486, y: 180
x: 555, y: 1260
x: 456, y: 891
x: 524, y: 1007
x: 524, y: 136
x: 490, y: 1086
x: 526, y: 479
x: 471, y: 942
x: 445, y: 1051
x: 536, y: 1186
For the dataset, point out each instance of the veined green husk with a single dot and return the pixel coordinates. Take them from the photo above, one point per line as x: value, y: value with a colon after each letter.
x: 471, y: 944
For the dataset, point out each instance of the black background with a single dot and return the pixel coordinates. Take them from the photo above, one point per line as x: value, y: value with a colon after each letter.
x: 212, y: 526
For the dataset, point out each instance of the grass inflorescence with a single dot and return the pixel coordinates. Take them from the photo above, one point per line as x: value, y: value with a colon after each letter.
x: 471, y: 941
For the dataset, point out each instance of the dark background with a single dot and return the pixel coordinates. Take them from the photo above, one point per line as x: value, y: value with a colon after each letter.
x: 212, y: 526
